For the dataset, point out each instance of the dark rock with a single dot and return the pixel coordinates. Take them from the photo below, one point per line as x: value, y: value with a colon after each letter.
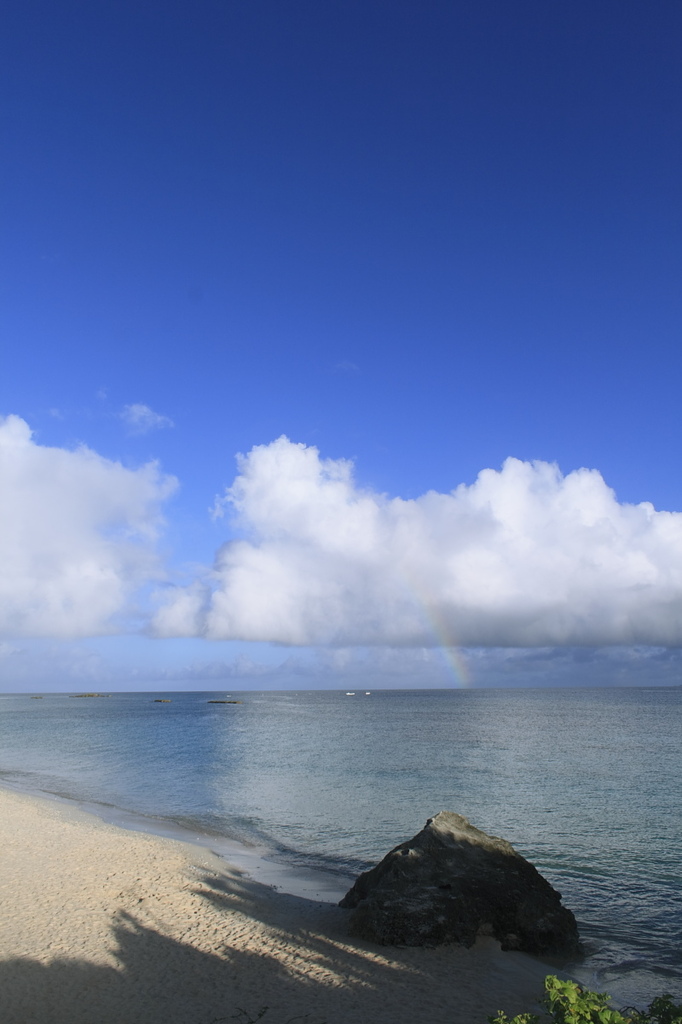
x: 162, y: 700
x: 453, y: 882
x: 224, y: 702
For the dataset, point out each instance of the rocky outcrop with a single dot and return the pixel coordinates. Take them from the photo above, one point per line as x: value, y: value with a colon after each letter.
x: 453, y: 882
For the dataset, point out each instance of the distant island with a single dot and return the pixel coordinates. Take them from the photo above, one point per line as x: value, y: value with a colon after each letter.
x: 89, y: 695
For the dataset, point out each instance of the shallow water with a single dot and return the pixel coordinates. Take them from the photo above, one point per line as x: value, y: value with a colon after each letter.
x: 585, y: 783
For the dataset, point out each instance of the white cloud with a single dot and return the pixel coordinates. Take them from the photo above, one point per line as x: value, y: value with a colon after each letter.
x: 77, y: 535
x: 140, y: 419
x: 522, y: 557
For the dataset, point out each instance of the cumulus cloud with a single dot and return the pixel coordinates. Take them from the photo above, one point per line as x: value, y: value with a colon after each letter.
x: 140, y: 419
x: 524, y: 556
x: 77, y: 535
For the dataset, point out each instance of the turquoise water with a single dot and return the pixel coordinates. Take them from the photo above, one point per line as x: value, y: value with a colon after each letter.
x: 586, y: 783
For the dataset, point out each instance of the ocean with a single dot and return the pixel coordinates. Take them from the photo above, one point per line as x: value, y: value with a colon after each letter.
x: 586, y: 783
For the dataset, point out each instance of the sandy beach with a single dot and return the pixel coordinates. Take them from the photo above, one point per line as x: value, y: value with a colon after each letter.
x: 100, y: 925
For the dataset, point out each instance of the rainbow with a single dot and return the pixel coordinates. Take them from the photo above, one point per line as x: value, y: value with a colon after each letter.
x: 453, y: 658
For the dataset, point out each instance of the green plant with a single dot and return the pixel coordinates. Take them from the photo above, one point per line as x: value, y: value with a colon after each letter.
x: 661, y: 1010
x: 568, y: 1003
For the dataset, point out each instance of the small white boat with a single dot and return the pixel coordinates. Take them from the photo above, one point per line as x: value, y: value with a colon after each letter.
x: 368, y: 693
x: 350, y: 693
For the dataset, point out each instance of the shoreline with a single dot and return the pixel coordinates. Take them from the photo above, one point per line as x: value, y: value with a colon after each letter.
x: 256, y: 861
x: 101, y: 923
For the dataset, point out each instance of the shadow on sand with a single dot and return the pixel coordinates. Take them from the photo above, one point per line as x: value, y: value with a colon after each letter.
x: 157, y: 979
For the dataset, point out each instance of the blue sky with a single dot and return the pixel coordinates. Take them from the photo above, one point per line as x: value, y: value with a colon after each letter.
x: 418, y: 238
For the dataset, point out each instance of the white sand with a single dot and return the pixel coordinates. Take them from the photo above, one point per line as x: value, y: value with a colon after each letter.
x: 99, y: 925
